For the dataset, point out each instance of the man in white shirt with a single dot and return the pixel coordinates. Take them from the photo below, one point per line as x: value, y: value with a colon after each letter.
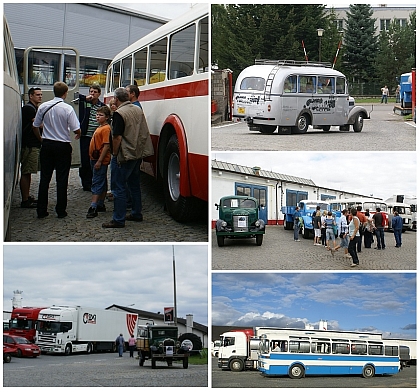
x: 59, y: 121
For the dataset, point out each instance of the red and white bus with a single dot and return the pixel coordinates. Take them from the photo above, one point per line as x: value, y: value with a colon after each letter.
x: 171, y: 68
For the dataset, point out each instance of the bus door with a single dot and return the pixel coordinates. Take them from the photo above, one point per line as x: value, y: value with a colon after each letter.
x: 43, y: 66
x: 288, y: 102
x: 257, y: 191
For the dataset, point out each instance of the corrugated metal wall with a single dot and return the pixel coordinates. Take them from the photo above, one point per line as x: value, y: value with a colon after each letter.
x: 95, y: 32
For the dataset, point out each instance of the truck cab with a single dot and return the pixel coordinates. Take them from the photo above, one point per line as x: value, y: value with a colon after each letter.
x: 238, y: 218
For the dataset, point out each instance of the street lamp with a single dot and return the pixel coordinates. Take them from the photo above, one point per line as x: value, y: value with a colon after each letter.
x: 320, y: 33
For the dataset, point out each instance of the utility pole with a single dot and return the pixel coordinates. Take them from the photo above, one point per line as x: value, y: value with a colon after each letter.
x: 173, y: 267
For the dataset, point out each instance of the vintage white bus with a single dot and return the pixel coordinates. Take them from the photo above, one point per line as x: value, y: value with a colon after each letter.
x: 298, y: 354
x: 291, y: 95
x: 404, y: 211
x: 171, y: 68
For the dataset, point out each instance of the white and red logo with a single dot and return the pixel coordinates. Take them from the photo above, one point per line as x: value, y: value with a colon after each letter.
x: 131, y: 320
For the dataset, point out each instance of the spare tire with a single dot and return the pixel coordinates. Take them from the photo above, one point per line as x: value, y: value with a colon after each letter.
x: 196, y: 341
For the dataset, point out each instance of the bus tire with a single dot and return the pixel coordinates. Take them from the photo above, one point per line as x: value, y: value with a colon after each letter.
x: 267, y: 128
x: 179, y: 207
x: 358, y: 124
x: 302, y: 124
x: 368, y: 371
x: 259, y: 239
x: 236, y: 365
x: 296, y: 371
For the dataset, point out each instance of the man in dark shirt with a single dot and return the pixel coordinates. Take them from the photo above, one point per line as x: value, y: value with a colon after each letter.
x: 31, y: 144
x: 379, y: 226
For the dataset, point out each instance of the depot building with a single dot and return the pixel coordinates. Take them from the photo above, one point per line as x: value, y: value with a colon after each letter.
x: 272, y: 190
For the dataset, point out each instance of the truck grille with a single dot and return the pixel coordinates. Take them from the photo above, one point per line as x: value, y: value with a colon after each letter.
x: 240, y: 223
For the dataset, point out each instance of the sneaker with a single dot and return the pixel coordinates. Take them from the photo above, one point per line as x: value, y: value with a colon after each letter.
x: 112, y: 225
x: 348, y: 256
x: 92, y: 212
x: 42, y: 215
x: 101, y: 208
x: 354, y: 265
x: 130, y: 217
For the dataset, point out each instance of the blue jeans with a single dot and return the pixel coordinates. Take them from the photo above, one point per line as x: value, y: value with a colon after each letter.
x: 296, y: 231
x: 398, y: 239
x: 99, y: 180
x: 122, y: 174
x: 380, y: 239
x: 120, y: 349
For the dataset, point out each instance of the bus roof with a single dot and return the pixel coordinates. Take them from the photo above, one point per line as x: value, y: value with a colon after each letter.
x: 196, y: 12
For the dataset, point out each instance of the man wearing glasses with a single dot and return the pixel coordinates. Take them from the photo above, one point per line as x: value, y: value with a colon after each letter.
x: 31, y: 144
x: 88, y: 105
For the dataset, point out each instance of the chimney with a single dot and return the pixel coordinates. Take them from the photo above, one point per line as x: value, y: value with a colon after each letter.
x: 189, y: 323
x: 256, y: 170
x: 17, y: 299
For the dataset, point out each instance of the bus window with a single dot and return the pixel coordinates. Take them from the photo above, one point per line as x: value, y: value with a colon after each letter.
x: 253, y: 83
x: 359, y: 349
x: 307, y: 84
x: 203, y: 55
x: 391, y: 351
x: 299, y: 347
x: 140, y: 65
x: 340, y: 348
x: 181, y: 53
x: 325, y: 85
x: 320, y: 346
x: 290, y: 84
x: 126, y: 71
x: 376, y: 349
x: 115, y: 76
x: 158, y: 53
x: 341, y: 86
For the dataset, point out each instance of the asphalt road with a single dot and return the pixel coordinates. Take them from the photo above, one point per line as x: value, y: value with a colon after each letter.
x: 253, y: 379
x: 99, y: 370
x: 385, y: 131
x: 156, y: 226
x: 279, y: 252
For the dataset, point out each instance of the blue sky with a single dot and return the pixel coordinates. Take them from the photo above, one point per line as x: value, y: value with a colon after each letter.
x: 381, y: 302
x: 101, y: 275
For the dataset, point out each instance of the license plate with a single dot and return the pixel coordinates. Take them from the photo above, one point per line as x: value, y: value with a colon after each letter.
x: 241, y: 110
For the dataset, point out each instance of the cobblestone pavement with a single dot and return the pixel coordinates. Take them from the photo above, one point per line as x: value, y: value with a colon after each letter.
x: 378, y: 133
x: 157, y: 226
x: 280, y: 252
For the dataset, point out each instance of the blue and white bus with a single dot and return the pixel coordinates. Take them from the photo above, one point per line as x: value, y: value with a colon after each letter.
x: 327, y: 353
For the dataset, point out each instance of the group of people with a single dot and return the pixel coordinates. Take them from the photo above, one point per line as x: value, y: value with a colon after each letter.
x: 353, y: 227
x: 120, y: 343
x: 116, y: 135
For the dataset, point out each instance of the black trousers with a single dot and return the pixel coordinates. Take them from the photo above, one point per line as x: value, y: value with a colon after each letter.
x: 56, y: 156
x: 85, y: 170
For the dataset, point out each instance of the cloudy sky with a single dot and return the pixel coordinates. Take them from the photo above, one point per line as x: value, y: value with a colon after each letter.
x: 381, y: 303
x: 102, y: 275
x: 169, y: 10
x: 382, y: 174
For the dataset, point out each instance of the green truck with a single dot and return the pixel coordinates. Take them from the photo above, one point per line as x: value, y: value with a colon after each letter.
x: 161, y: 343
x: 238, y: 218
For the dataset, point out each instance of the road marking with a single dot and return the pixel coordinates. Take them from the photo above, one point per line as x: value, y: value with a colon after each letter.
x: 413, y: 124
x: 226, y: 125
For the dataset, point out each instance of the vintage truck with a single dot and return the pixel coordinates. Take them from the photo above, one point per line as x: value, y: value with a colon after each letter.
x: 238, y: 218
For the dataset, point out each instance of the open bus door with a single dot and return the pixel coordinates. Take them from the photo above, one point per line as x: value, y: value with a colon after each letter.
x: 38, y: 72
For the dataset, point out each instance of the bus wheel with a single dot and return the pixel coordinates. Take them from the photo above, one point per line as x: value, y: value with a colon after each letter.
x: 220, y: 241
x: 236, y: 365
x: 368, y: 371
x: 179, y: 207
x: 358, y: 125
x: 267, y: 128
x: 302, y: 124
x: 296, y: 371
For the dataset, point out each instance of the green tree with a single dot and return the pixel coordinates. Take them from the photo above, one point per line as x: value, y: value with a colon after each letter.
x: 397, y: 51
x: 360, y: 43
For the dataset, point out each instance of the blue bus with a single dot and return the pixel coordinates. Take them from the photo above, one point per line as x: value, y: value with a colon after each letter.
x: 330, y: 353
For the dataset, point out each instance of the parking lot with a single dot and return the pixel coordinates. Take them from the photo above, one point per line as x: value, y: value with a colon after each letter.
x: 99, y: 370
x: 157, y: 224
x: 279, y: 252
x: 385, y: 131
x: 253, y: 379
